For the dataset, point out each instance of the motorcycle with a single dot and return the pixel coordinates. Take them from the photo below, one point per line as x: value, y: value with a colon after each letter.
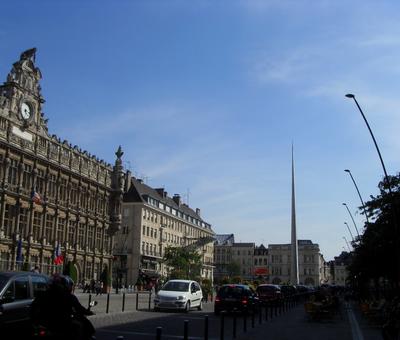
x: 86, y: 329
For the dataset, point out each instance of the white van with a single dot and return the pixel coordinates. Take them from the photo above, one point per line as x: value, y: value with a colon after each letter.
x: 179, y: 294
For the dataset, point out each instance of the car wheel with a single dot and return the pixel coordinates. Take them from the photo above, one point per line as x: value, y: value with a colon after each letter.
x: 200, y: 306
x: 156, y: 309
x: 187, y: 307
x: 216, y: 311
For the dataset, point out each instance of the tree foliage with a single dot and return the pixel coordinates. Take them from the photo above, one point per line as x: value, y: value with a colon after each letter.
x: 376, y: 252
x: 184, y: 263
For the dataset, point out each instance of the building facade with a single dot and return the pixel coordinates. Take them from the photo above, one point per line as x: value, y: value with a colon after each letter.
x: 55, y: 199
x: 311, y: 263
x: 152, y: 221
x: 272, y: 264
x: 223, y: 256
x: 243, y: 254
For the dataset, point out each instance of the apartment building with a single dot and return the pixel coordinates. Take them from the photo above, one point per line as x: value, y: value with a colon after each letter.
x: 152, y: 221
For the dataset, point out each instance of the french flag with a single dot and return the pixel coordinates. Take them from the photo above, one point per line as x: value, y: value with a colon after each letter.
x: 58, y: 258
x: 35, y: 197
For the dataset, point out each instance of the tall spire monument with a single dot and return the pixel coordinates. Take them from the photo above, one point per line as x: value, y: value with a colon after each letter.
x: 294, y: 267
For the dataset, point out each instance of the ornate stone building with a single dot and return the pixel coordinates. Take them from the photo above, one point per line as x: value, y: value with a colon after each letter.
x: 152, y: 221
x: 52, y: 195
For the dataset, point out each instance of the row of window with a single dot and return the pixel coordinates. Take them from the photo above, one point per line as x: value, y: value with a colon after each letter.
x: 151, y: 249
x: 54, y: 187
x: 177, y: 213
x: 53, y: 231
x: 179, y: 227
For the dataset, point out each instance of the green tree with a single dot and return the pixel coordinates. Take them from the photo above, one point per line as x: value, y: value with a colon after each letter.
x: 184, y: 263
x: 376, y: 251
x: 233, y: 269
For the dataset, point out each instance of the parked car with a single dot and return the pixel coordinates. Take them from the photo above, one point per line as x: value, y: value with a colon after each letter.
x: 235, y: 297
x: 179, y: 294
x: 17, y: 291
x: 269, y: 293
x: 288, y: 290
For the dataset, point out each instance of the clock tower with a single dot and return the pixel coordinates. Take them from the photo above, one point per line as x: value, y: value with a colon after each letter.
x: 20, y: 97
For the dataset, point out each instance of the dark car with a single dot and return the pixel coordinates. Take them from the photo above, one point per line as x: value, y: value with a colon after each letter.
x: 269, y: 293
x: 288, y: 290
x: 235, y: 297
x: 17, y: 291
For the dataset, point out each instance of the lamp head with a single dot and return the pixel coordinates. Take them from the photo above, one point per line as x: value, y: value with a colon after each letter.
x: 350, y: 95
x: 344, y: 204
x: 347, y: 170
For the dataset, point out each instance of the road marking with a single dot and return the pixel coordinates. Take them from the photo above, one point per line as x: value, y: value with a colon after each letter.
x: 355, y: 328
x: 118, y: 332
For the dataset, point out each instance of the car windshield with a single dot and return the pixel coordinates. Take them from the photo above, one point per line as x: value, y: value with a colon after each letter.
x: 231, y: 291
x: 176, y: 286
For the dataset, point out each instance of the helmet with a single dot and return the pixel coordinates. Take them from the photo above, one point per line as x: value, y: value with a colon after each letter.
x: 62, y: 281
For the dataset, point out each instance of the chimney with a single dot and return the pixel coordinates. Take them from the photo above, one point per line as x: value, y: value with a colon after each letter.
x: 198, y: 212
x: 177, y: 199
x: 160, y: 191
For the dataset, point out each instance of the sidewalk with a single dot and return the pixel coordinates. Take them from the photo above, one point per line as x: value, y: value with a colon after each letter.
x: 294, y: 321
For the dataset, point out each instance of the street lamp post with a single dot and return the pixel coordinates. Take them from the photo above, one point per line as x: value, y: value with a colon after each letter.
x: 352, y: 218
x: 395, y: 213
x: 359, y: 195
x: 348, y: 246
x: 349, y: 231
x: 351, y: 96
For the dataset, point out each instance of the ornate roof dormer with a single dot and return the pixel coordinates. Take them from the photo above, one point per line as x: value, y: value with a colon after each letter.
x: 20, y: 95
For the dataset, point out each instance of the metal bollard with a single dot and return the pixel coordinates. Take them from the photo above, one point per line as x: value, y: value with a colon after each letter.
x: 259, y: 315
x: 123, y: 302
x: 206, y: 327
x: 234, y: 326
x: 149, y: 300
x: 137, y: 301
x: 158, y: 333
x: 252, y: 319
x: 266, y: 312
x: 186, y: 330
x: 108, y: 303
x: 90, y: 300
x: 222, y: 327
x: 244, y: 323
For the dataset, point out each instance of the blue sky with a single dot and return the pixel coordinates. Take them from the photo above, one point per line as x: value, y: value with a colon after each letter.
x: 206, y: 97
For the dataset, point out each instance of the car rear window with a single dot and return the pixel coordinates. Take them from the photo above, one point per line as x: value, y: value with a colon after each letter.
x: 231, y: 291
x: 266, y: 289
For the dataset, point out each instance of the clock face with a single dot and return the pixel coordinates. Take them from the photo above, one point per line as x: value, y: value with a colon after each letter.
x: 26, y: 111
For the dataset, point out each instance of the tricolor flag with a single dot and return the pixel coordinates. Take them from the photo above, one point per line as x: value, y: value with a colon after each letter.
x: 35, y: 197
x: 58, y: 258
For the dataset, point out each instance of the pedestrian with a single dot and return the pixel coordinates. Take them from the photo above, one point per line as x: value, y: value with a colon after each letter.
x: 98, y: 288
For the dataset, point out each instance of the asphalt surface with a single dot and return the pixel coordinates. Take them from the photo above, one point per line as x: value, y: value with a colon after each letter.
x: 347, y: 324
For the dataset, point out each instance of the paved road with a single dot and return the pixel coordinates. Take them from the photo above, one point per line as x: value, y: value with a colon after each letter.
x: 293, y: 324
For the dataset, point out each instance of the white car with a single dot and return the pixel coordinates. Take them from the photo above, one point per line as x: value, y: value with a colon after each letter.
x: 179, y: 294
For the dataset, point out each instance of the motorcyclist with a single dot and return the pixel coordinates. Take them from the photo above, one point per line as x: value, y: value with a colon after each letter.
x: 59, y: 311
